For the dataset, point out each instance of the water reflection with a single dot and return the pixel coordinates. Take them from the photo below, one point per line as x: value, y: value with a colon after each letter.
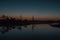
x: 4, y: 29
x: 31, y: 31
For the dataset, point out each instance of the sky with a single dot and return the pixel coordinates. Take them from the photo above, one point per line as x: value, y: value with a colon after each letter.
x: 28, y: 8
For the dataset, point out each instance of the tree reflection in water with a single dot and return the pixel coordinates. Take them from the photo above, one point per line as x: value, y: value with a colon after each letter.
x: 33, y: 27
x: 19, y: 27
x: 4, y: 29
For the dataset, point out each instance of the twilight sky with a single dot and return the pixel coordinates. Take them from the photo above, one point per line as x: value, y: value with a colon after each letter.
x: 40, y: 8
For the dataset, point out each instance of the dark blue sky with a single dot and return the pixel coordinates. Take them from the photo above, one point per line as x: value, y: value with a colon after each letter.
x: 42, y: 8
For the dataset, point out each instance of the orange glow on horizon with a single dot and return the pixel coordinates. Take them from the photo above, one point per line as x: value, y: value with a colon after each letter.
x: 36, y: 17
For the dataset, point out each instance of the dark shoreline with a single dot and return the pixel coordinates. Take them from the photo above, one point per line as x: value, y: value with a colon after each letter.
x: 24, y: 22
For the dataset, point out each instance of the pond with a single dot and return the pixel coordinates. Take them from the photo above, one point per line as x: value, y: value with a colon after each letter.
x: 30, y: 32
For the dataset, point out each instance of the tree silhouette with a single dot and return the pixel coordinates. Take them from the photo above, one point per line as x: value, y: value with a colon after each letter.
x: 20, y: 17
x: 32, y: 17
x: 3, y: 16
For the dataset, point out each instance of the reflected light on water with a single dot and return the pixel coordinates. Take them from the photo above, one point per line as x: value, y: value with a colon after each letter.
x: 30, y: 31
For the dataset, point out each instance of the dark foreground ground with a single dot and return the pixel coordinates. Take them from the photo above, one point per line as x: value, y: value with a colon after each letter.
x: 31, y: 37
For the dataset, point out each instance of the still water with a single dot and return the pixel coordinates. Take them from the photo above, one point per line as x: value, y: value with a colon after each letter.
x: 31, y: 32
